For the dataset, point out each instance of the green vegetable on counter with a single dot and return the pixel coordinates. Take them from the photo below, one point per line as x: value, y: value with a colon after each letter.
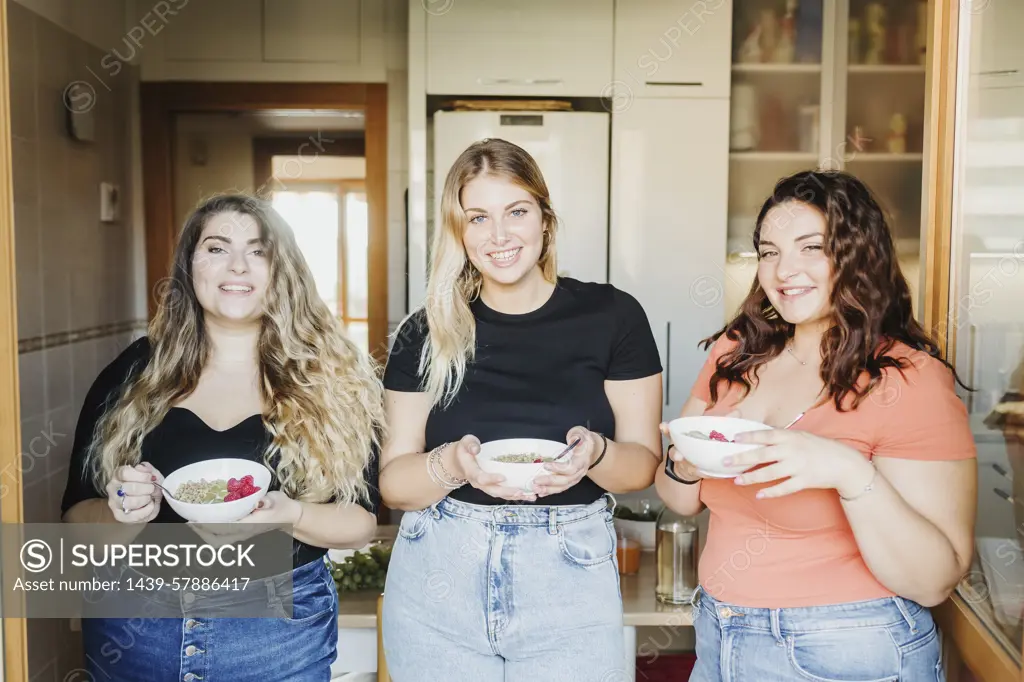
x: 364, y: 570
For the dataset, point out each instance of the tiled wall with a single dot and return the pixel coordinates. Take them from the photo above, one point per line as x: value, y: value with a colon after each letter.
x: 75, y: 274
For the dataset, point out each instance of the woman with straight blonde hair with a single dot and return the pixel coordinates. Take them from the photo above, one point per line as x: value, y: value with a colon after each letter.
x: 243, y: 360
x: 488, y: 582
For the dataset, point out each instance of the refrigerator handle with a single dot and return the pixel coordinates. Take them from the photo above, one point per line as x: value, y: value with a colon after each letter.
x: 668, y: 363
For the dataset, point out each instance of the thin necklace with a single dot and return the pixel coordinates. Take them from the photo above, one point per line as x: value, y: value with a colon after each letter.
x: 790, y: 349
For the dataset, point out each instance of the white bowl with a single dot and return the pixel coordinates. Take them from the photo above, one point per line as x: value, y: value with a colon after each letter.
x: 220, y: 512
x: 707, y: 455
x: 517, y: 475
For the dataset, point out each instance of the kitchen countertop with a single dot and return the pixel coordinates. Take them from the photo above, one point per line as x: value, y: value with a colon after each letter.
x: 639, y: 606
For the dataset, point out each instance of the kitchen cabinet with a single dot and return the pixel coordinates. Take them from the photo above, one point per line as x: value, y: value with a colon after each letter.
x: 673, y: 48
x: 997, y: 53
x: 266, y: 40
x: 668, y: 225
x: 529, y: 47
x: 834, y: 84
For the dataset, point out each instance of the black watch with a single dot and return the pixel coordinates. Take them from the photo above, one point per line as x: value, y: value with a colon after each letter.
x: 670, y: 470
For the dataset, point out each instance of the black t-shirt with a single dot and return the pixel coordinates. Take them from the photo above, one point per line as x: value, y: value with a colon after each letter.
x: 536, y: 375
x: 182, y: 438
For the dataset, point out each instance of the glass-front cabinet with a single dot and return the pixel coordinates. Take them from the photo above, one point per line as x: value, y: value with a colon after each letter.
x: 830, y: 84
x: 987, y: 302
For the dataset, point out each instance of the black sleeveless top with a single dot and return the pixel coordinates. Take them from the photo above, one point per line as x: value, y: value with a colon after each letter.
x: 182, y: 438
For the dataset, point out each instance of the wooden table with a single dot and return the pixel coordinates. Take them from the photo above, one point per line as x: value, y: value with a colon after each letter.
x: 640, y: 608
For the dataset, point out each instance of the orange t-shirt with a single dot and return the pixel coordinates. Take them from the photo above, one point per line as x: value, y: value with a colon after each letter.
x: 799, y: 549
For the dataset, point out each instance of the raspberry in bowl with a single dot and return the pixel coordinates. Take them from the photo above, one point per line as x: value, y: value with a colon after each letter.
x: 519, y: 460
x: 705, y: 441
x: 217, y: 490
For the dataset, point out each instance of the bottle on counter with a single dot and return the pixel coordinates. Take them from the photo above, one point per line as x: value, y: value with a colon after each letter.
x: 676, y: 554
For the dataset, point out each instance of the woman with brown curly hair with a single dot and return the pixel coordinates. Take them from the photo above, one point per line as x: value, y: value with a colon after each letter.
x: 823, y: 557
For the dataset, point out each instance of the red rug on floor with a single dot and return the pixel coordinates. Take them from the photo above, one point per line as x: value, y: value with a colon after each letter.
x: 665, y: 667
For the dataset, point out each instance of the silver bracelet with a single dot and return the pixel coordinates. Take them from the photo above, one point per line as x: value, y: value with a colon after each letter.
x: 868, y: 488
x: 442, y: 477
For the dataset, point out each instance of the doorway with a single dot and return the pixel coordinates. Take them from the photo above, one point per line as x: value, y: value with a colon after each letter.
x: 363, y: 305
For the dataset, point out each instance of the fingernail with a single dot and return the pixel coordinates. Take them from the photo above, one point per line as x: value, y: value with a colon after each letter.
x: 759, y: 495
x: 152, y: 478
x: 738, y: 480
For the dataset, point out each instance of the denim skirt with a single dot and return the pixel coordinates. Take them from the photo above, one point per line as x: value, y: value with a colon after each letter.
x: 300, y: 648
x: 879, y: 640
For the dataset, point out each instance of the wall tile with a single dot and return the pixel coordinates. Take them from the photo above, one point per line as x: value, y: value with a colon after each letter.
x: 83, y: 369
x: 34, y: 449
x: 59, y: 378
x: 31, y: 378
x: 42, y: 657
x: 23, y: 98
x: 28, y: 264
x: 25, y: 166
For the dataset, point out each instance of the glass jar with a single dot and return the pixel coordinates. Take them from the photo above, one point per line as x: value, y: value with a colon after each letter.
x: 676, y: 553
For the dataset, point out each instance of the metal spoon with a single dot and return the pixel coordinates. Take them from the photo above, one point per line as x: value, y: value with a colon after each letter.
x: 166, y: 491
x: 565, y: 452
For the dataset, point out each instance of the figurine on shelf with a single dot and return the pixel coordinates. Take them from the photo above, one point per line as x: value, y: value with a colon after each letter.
x: 785, y: 51
x: 854, y: 41
x: 897, y: 140
x: 750, y: 50
x: 769, y: 35
x: 874, y: 18
x: 858, y: 142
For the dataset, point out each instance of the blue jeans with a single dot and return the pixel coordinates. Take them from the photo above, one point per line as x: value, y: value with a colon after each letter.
x: 511, y: 593
x: 881, y: 640
x: 297, y: 649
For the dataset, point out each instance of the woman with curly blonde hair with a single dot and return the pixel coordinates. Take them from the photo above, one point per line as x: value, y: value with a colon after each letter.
x: 243, y: 360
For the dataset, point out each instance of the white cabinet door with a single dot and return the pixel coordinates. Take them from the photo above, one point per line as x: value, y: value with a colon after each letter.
x: 997, y: 50
x: 311, y: 31
x: 673, y: 48
x: 669, y: 206
x: 527, y: 47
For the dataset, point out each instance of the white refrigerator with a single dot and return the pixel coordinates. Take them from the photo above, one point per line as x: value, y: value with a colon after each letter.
x: 572, y: 150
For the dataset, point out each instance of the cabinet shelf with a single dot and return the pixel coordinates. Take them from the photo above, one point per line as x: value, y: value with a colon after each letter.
x: 776, y: 68
x: 884, y: 157
x: 887, y: 69
x: 808, y: 157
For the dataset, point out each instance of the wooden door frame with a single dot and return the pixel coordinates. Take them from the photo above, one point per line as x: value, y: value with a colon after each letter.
x: 968, y: 637
x: 160, y: 101
x: 15, y: 639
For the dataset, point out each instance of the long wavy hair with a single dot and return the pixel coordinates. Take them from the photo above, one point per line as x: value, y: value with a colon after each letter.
x: 454, y: 281
x: 870, y: 304
x: 323, y: 398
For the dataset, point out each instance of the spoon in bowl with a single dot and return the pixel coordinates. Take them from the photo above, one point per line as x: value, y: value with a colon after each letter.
x: 166, y: 491
x: 563, y: 453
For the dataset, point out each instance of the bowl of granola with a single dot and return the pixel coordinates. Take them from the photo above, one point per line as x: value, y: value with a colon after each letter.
x: 519, y: 460
x: 217, y: 490
x: 707, y: 440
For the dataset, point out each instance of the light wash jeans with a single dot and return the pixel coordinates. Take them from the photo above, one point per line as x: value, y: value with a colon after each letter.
x: 511, y: 593
x: 881, y: 640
